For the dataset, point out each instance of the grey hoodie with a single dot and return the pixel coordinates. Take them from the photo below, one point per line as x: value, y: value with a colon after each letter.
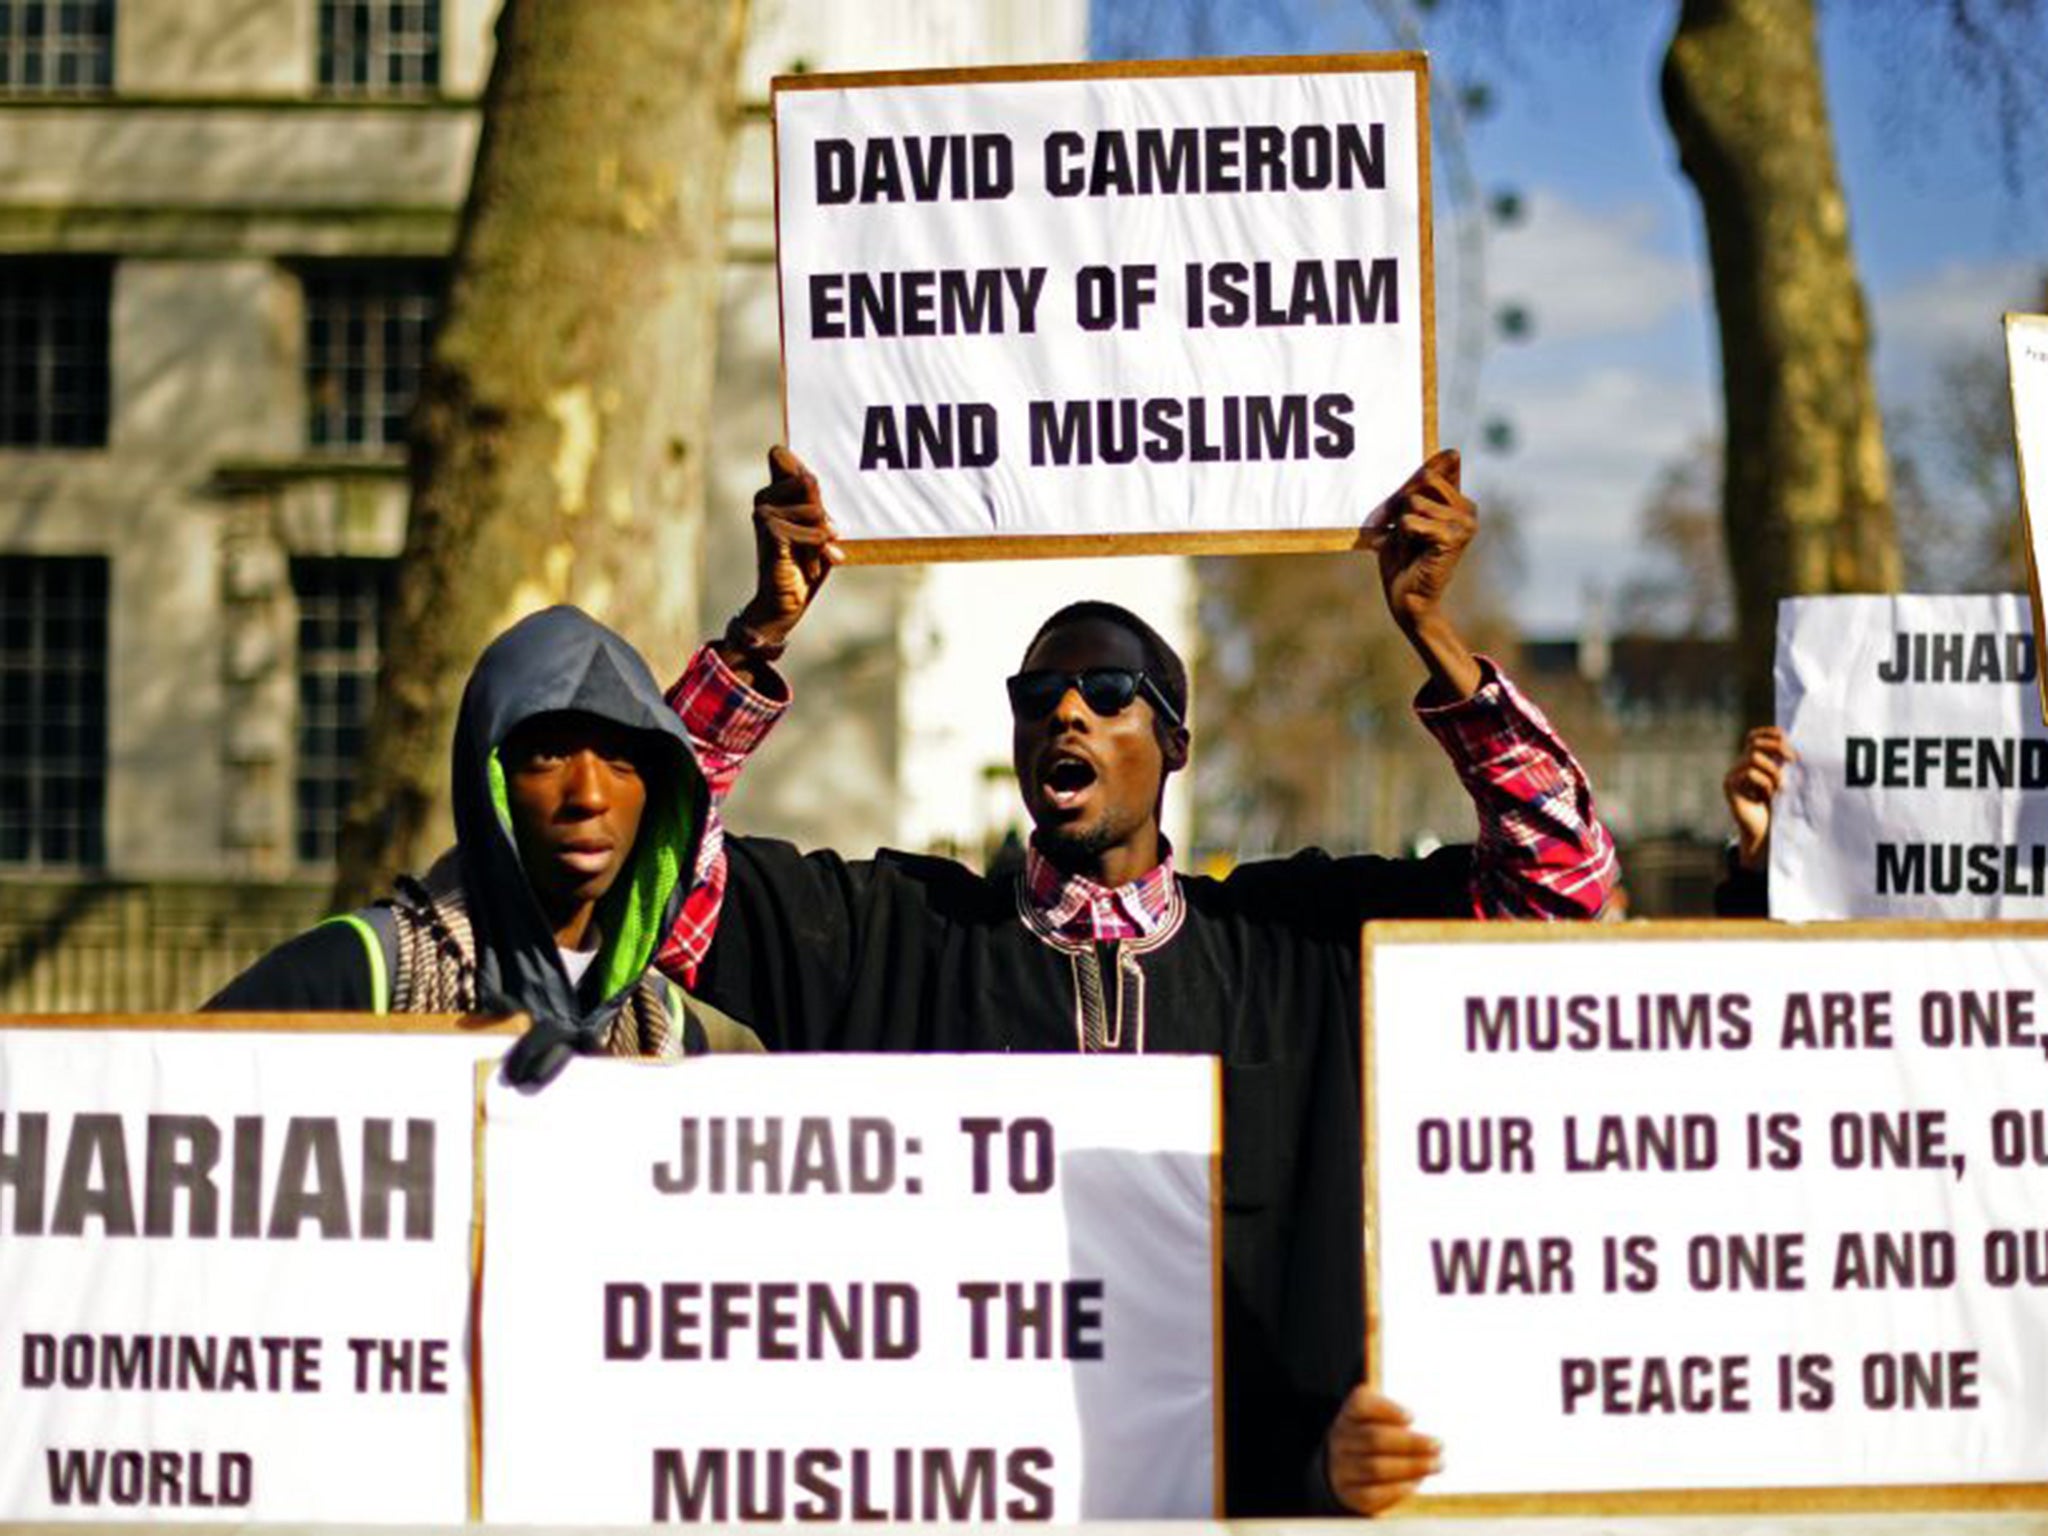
x: 558, y: 659
x: 562, y: 659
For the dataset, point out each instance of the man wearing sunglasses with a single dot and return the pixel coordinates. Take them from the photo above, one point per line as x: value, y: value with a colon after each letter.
x: 1101, y: 945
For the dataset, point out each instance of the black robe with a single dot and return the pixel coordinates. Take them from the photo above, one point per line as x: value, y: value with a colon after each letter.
x: 906, y: 953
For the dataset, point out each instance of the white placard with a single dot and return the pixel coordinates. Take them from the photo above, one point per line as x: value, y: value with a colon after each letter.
x: 983, y: 1292
x: 2026, y: 352
x: 1921, y: 788
x: 1598, y: 1268
x: 236, y: 1271
x: 1106, y: 303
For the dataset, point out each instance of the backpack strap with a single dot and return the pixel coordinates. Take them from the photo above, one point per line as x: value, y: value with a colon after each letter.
x: 435, y: 945
x: 427, y: 964
x: 380, y: 962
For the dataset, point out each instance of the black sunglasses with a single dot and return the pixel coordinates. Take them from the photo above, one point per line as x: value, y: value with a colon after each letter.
x: 1106, y: 690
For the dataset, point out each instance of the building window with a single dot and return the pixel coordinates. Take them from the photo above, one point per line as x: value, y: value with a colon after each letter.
x: 53, y: 712
x: 380, y: 47
x: 342, y: 608
x: 56, y: 45
x: 368, y: 327
x: 53, y: 351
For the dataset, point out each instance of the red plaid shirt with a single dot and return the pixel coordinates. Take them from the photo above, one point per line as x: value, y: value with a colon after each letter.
x: 726, y: 720
x: 1541, y: 850
x: 1077, y: 908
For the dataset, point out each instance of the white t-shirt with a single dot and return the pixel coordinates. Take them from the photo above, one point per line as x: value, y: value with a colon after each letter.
x: 576, y: 962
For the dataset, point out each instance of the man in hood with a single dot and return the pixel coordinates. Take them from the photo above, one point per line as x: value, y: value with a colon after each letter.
x: 579, y: 817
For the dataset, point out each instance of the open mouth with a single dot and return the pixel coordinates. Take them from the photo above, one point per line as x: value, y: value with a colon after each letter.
x: 1067, y: 779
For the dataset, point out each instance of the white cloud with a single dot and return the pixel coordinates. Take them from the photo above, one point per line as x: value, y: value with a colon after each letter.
x: 1951, y: 312
x: 1592, y: 440
x: 1585, y: 274
x: 1589, y: 448
x: 1602, y: 398
x: 1960, y: 303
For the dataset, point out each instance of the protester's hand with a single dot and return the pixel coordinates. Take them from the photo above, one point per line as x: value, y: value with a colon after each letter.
x: 795, y: 548
x: 1426, y: 527
x: 1750, y: 787
x: 1372, y: 1457
x: 1429, y: 522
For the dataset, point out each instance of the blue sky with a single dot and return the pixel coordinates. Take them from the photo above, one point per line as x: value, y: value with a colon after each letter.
x: 1619, y: 373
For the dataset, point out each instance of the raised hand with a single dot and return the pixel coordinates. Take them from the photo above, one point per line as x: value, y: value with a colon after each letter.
x: 1750, y: 787
x: 795, y: 548
x: 1429, y: 523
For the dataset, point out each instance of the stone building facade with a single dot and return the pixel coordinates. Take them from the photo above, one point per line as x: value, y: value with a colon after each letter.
x: 222, y: 229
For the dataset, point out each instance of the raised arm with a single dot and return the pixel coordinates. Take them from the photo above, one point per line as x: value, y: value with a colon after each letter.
x: 1541, y: 851
x: 730, y: 695
x: 1430, y: 522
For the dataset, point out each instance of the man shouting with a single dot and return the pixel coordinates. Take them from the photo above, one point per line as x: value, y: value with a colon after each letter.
x: 1103, y: 945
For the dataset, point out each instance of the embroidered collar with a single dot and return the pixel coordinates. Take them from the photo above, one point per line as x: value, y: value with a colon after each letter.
x: 1077, y: 909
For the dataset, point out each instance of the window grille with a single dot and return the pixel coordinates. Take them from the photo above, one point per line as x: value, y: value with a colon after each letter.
x: 56, y: 46
x: 53, y: 712
x: 53, y: 351
x: 368, y: 328
x: 342, y: 608
x: 380, y: 47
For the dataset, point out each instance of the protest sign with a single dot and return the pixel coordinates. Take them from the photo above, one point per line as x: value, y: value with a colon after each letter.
x: 1921, y: 788
x: 1107, y: 308
x: 1696, y: 1210
x: 2026, y: 351
x: 940, y: 1288
x: 237, y: 1275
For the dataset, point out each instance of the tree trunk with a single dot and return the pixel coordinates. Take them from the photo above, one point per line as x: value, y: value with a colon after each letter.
x: 559, y: 444
x: 1806, y: 501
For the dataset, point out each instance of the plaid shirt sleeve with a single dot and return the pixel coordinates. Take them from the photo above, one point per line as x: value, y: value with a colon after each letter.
x: 726, y: 720
x: 1541, y: 851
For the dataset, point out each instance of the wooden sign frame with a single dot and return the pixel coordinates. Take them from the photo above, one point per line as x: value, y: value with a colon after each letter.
x: 510, y: 1027
x: 414, y: 1024
x: 2016, y: 322
x: 1889, y: 1498
x: 911, y: 551
x: 277, y: 1023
